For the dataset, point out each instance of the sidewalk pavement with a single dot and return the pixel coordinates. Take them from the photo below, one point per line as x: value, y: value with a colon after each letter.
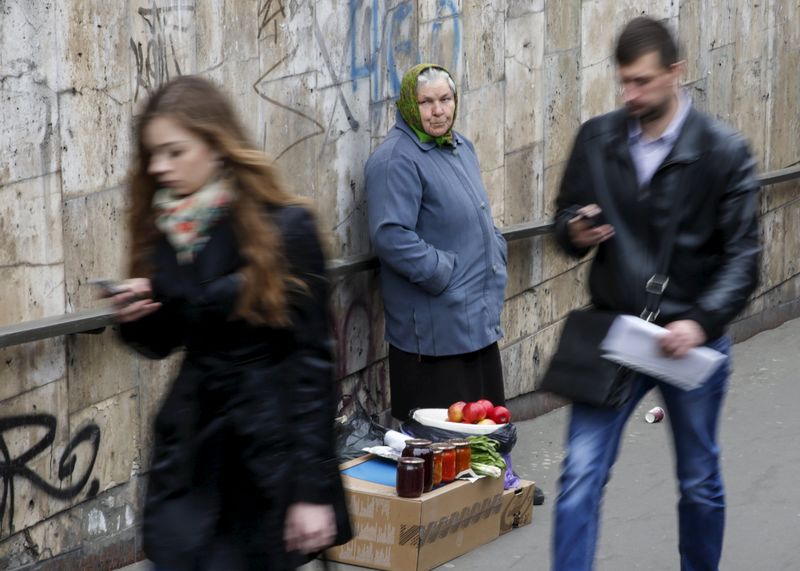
x: 761, y: 464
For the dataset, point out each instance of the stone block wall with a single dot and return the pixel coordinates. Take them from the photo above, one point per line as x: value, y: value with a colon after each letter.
x: 315, y: 82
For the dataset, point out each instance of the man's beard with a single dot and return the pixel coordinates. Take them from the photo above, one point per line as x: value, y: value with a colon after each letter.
x: 650, y: 114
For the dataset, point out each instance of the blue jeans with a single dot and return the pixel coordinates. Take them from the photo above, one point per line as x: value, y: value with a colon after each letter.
x: 593, y: 443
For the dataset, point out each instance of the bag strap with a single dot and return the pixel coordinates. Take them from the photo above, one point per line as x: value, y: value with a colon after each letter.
x: 657, y: 284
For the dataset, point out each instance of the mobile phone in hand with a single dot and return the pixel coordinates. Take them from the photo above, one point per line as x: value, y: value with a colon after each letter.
x: 109, y: 288
x: 596, y: 219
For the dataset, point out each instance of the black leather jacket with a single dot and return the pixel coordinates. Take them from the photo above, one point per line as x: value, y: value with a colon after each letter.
x: 715, y: 261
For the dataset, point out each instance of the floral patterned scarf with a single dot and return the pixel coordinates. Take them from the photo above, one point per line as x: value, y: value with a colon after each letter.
x: 187, y: 220
x: 409, y: 107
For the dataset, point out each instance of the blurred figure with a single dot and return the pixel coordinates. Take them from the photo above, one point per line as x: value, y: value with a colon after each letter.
x: 228, y: 267
x: 657, y: 154
x: 443, y: 262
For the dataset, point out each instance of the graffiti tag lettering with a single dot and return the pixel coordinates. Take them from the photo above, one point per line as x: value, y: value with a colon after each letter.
x: 154, y: 58
x: 12, y: 468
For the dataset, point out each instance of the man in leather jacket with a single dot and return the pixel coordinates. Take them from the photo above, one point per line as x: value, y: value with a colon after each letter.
x: 627, y: 171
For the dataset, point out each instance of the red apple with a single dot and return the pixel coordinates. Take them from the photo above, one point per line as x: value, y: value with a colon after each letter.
x: 474, y: 412
x: 500, y: 414
x: 455, y: 413
x: 486, y: 404
x: 487, y: 421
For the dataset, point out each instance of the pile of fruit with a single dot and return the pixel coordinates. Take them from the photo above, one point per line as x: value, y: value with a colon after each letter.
x: 479, y: 412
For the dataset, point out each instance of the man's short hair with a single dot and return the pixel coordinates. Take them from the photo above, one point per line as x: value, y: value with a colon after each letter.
x: 643, y: 35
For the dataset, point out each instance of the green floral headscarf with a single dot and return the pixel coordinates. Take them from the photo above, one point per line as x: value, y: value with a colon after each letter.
x: 409, y: 108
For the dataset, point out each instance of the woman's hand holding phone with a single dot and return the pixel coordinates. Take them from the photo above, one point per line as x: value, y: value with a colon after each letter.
x: 132, y: 298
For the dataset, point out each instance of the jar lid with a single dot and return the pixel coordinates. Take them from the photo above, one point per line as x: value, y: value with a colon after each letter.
x: 458, y: 442
x: 410, y: 460
x: 418, y: 442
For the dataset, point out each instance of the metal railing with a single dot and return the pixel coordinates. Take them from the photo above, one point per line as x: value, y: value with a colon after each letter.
x: 95, y: 320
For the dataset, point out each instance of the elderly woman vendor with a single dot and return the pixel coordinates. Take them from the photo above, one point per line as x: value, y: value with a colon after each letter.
x: 443, y: 262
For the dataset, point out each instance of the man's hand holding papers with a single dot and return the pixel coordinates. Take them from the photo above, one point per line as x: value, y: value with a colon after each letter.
x: 638, y: 345
x: 681, y: 336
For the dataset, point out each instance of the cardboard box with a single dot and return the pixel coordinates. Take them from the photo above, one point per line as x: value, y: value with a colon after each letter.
x: 517, y: 509
x: 400, y: 534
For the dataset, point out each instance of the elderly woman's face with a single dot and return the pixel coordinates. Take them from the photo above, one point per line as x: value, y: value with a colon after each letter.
x: 436, y: 107
x: 179, y: 159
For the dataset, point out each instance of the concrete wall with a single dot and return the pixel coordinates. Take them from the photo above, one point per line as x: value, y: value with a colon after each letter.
x: 315, y: 81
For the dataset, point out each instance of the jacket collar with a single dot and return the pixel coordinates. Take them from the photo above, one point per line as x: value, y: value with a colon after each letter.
x: 401, y: 124
x: 673, y: 130
x: 688, y: 148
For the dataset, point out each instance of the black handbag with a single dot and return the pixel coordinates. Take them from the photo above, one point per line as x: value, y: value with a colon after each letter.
x: 578, y: 370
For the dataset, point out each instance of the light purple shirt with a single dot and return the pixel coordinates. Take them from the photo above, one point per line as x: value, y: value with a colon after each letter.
x: 648, y: 154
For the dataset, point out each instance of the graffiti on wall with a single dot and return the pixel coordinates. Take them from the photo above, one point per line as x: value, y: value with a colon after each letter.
x: 380, y: 38
x: 359, y: 342
x: 271, y: 15
x: 270, y: 12
x: 380, y: 44
x: 13, y: 468
x: 156, y: 61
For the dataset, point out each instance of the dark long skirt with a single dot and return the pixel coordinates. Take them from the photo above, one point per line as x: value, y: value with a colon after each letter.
x: 420, y: 381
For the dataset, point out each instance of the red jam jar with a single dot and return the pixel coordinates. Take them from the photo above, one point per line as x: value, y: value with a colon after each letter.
x: 448, y: 463
x: 420, y: 448
x: 410, y: 476
x: 437, y: 465
x: 463, y: 455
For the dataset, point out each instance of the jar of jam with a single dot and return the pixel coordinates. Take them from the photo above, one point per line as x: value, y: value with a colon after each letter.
x: 421, y: 448
x: 437, y: 464
x: 463, y: 455
x: 410, y: 475
x: 448, y: 463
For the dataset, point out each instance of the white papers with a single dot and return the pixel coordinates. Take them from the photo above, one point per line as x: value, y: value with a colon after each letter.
x: 383, y: 451
x: 634, y: 343
x: 394, y: 442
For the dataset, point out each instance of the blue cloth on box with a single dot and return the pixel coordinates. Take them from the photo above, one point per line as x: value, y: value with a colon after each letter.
x: 375, y: 470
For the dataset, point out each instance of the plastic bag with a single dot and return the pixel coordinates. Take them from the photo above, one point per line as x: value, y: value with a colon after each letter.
x: 358, y: 431
x: 511, y: 479
x: 505, y: 435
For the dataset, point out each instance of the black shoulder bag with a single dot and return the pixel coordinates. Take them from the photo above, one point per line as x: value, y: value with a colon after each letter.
x: 578, y: 370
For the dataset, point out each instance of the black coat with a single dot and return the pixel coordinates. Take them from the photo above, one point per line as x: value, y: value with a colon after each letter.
x: 247, y: 426
x: 714, y: 266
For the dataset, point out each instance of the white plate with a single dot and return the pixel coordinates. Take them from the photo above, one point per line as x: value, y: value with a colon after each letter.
x: 437, y: 417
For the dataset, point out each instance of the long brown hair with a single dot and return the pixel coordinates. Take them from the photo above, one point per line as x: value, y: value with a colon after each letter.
x: 200, y: 107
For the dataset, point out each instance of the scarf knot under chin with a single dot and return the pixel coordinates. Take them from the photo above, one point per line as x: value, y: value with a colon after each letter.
x: 187, y: 220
